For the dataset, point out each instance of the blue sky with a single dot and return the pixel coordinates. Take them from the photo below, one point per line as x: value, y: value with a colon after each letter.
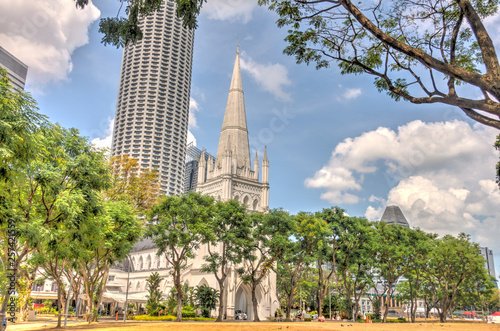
x: 331, y: 139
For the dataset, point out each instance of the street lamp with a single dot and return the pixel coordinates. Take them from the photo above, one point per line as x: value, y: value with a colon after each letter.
x: 126, y: 295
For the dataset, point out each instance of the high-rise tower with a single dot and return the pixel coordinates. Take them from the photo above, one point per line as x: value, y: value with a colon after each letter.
x: 152, y: 109
x: 231, y: 175
x: 16, y: 70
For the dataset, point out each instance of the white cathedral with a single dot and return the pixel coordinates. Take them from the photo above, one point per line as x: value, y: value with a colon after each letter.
x: 229, y: 176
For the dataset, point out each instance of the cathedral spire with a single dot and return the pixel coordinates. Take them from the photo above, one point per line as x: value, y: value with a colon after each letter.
x: 234, y: 126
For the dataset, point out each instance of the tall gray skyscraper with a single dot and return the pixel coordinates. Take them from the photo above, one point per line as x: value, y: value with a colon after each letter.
x: 152, y: 109
x: 490, y: 263
x: 17, y: 70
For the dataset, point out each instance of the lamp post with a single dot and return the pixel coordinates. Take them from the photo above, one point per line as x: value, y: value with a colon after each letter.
x: 330, y: 299
x: 67, y: 301
x: 126, y: 295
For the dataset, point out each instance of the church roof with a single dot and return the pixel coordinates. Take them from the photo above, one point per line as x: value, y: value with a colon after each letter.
x: 394, y: 215
x: 143, y: 245
x: 234, y: 130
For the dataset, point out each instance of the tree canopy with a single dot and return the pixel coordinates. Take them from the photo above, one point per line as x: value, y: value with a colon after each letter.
x: 418, y: 51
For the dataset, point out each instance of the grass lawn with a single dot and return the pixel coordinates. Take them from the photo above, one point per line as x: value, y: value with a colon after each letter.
x: 244, y: 326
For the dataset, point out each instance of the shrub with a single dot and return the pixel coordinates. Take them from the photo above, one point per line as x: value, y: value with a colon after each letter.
x: 188, y: 311
x: 287, y: 320
x: 308, y: 319
x: 169, y: 318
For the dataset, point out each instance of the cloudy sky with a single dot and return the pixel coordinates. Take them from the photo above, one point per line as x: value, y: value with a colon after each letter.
x: 331, y: 139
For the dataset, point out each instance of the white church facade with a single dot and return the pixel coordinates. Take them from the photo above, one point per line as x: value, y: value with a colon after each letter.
x: 228, y: 176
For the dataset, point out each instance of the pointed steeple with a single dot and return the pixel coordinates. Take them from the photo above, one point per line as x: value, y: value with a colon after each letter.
x: 201, y: 167
x: 234, y: 126
x: 256, y: 166
x: 265, y: 159
x: 265, y: 168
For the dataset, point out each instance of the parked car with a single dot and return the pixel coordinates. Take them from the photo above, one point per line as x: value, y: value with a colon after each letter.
x: 307, y: 315
x: 240, y: 315
x: 314, y: 316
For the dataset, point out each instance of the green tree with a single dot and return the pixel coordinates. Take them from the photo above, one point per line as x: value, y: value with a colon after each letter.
x: 21, y: 132
x: 328, y: 253
x: 129, y: 182
x: 418, y: 257
x: 103, y: 240
x: 205, y: 299
x: 494, y: 301
x: 268, y: 235
x: 228, y: 243
x: 178, y: 225
x: 20, y: 125
x: 297, y: 253
x: 154, y: 294
x: 355, y: 259
x: 55, y: 190
x: 393, y: 254
x: 454, y: 264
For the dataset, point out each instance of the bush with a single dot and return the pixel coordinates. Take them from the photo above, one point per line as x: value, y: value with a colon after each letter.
x: 313, y: 312
x: 308, y: 319
x: 287, y: 320
x: 401, y: 319
x: 169, y: 318
x: 188, y: 311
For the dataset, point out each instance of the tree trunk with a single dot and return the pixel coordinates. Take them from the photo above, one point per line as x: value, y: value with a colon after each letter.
x: 354, y: 311
x: 14, y: 274
x: 289, y: 305
x: 59, y: 306
x: 386, y: 311
x: 320, y: 303
x: 221, y: 301
x: 178, y: 286
x: 25, y: 300
x: 254, y: 304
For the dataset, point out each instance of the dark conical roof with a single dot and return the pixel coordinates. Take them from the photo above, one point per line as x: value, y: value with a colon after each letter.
x: 394, y: 215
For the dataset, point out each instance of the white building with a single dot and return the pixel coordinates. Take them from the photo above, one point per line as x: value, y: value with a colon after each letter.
x: 152, y: 111
x: 229, y: 176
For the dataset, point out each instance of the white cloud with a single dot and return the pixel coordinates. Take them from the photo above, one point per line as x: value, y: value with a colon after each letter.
x: 440, y: 174
x: 43, y: 34
x: 193, y: 107
x: 351, y: 93
x: 374, y: 214
x: 492, y: 24
x: 191, y: 138
x: 271, y: 77
x: 107, y: 136
x: 231, y: 10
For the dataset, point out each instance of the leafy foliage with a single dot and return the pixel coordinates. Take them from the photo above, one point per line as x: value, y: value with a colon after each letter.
x: 418, y: 51
x: 120, y: 31
x: 178, y: 226
x: 129, y: 182
x: 154, y: 296
x: 206, y: 299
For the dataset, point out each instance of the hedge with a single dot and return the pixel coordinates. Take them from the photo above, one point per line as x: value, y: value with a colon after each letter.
x: 170, y: 318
